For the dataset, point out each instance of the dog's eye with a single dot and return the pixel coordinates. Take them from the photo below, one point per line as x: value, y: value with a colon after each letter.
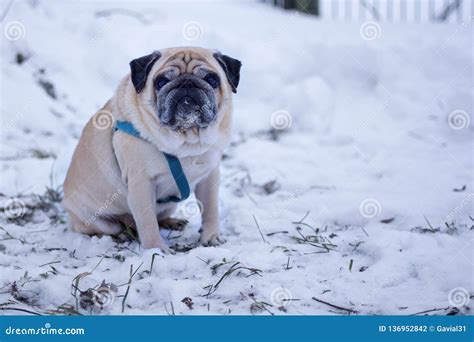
x: 213, y: 80
x: 161, y: 82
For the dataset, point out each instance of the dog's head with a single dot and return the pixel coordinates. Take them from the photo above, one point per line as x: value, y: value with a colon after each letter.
x: 186, y: 87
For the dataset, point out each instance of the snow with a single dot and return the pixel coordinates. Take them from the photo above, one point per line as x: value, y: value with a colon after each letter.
x: 373, y: 130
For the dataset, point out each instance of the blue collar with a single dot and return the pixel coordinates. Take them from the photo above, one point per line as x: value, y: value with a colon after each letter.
x: 173, y: 164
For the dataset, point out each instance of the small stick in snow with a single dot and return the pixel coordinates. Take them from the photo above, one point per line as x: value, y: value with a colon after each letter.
x: 97, y: 265
x: 153, y: 261
x: 304, y: 217
x: 172, y: 308
x: 427, y: 311
x: 356, y: 245
x: 50, y: 263
x: 257, y: 304
x: 335, y: 306
x: 11, y: 237
x: 204, y: 261
x: 261, y: 234
x: 232, y: 269
x: 132, y: 273
x: 429, y: 224
x: 287, y: 267
x: 274, y: 233
x: 21, y: 310
x: 75, y: 286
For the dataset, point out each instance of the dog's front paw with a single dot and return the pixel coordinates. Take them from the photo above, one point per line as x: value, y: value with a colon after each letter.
x: 166, y: 250
x: 211, y: 238
x: 161, y: 246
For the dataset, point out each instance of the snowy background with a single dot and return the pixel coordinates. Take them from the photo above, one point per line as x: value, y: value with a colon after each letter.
x: 347, y: 188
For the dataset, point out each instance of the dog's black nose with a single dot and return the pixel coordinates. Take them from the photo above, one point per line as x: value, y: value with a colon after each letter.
x: 187, y: 104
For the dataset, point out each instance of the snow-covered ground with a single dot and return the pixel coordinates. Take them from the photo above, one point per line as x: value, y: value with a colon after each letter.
x: 348, y: 181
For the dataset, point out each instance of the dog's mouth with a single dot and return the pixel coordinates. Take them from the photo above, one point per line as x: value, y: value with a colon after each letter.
x: 187, y: 103
x: 188, y: 114
x: 184, y: 131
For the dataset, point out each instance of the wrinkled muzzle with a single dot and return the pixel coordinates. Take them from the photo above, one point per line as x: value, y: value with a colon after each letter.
x: 187, y: 102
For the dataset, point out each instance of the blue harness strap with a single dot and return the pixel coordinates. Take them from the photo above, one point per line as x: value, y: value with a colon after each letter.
x: 127, y: 127
x: 173, y: 164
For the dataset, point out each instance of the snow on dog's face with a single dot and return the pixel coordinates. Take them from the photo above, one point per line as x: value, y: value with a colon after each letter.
x: 187, y: 86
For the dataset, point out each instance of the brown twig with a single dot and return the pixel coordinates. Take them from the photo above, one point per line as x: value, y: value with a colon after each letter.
x: 335, y: 306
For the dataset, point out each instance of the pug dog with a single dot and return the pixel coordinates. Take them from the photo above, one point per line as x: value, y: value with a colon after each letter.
x: 179, y: 101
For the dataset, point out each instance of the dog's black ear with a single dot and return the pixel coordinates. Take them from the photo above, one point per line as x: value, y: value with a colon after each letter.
x: 231, y: 68
x: 141, y: 67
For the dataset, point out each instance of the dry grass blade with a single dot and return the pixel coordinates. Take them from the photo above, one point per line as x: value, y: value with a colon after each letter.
x: 153, y: 261
x: 431, y: 310
x: 302, y: 220
x: 317, y: 241
x: 336, y: 306
x: 132, y: 274
x: 64, y: 310
x: 20, y: 310
x: 75, y: 286
x: 235, y: 267
x: 11, y: 237
x: 258, y: 226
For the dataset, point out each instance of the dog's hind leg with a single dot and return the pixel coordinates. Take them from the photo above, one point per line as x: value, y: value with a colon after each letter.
x: 80, y: 226
x: 106, y: 226
x: 98, y: 226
